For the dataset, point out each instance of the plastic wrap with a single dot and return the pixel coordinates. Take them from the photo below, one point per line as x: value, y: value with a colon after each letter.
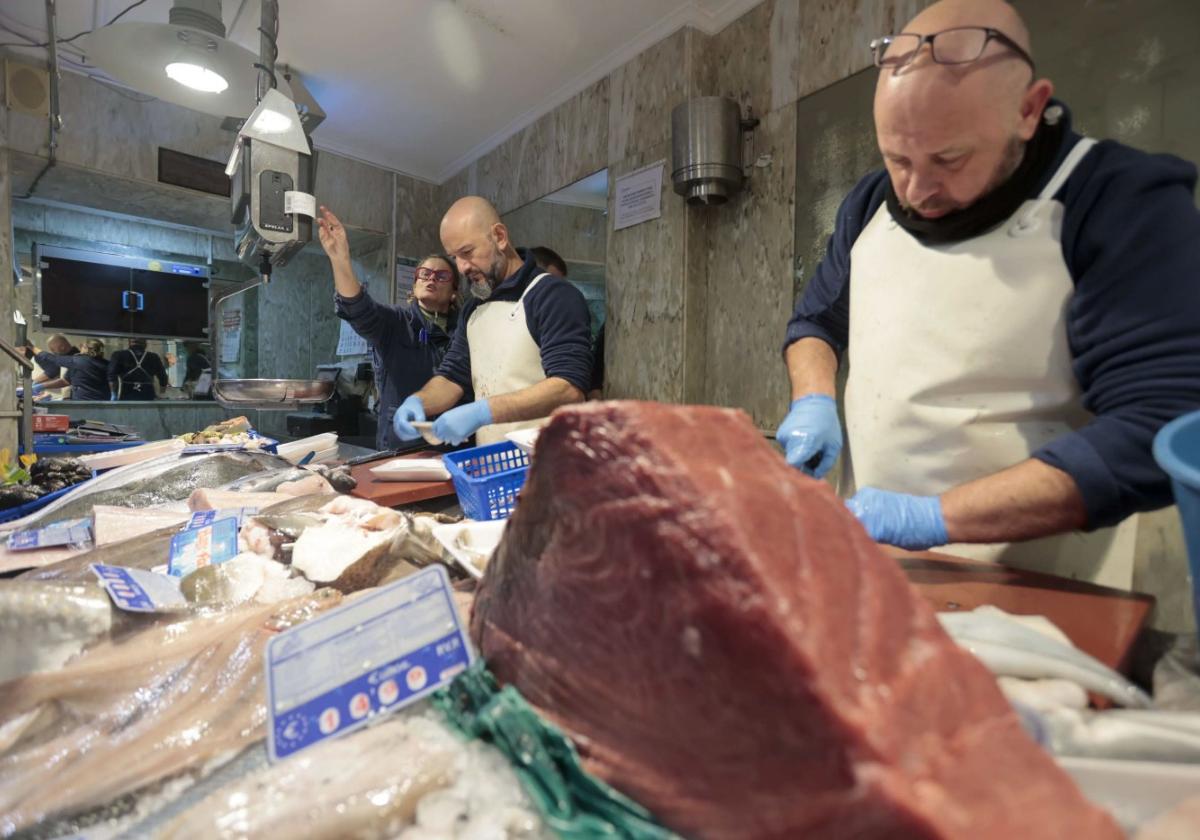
x: 171, y: 698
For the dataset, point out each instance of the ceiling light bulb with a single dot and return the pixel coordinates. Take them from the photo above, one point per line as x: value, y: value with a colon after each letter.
x: 272, y: 122
x: 196, y: 77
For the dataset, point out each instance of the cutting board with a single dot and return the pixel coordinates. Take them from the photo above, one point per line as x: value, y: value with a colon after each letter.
x: 1101, y: 621
x: 398, y: 493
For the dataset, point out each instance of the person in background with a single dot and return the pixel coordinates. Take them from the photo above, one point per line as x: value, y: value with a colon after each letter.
x: 195, y: 363
x: 596, y: 391
x: 52, y: 377
x: 407, y: 341
x: 523, y: 346
x: 1020, y: 308
x: 132, y: 372
x: 549, y: 261
x: 87, y: 370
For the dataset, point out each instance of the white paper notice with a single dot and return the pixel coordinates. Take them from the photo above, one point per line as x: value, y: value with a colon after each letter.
x: 406, y: 275
x: 300, y: 202
x: 350, y: 343
x: 639, y: 196
x: 231, y: 334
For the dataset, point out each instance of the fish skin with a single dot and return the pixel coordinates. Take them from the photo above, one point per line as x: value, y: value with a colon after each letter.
x: 44, y: 623
x: 168, y: 700
x: 148, y: 550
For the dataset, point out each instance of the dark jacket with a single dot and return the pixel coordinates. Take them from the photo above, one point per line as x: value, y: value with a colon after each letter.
x: 135, y: 374
x: 1131, y: 241
x: 558, y: 320
x: 406, y: 348
x: 88, y: 375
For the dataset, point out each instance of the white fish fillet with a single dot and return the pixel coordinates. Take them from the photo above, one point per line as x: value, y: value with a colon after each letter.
x: 1009, y: 648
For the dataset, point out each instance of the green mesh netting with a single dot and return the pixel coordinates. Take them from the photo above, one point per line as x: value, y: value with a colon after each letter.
x: 573, y: 804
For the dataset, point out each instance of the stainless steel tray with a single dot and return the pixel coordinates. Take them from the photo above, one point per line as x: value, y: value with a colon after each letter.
x: 276, y: 394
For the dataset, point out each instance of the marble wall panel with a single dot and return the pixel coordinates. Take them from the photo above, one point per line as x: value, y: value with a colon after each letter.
x: 360, y: 194
x: 117, y: 132
x: 134, y: 236
x: 738, y: 61
x: 419, y: 210
x: 141, y: 199
x: 576, y: 233
x: 647, y: 290
x: 814, y: 43
x: 580, y: 136
x: 748, y: 245
x: 8, y: 402
x: 642, y: 93
x: 835, y: 147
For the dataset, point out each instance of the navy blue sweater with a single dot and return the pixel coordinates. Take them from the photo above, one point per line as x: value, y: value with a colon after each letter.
x: 405, y: 350
x: 1131, y: 241
x: 87, y: 375
x: 557, y: 317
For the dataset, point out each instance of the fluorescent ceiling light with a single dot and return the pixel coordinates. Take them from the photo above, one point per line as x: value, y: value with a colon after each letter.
x: 196, y: 77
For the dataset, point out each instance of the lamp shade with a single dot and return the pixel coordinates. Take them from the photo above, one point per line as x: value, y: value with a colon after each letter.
x: 138, y: 55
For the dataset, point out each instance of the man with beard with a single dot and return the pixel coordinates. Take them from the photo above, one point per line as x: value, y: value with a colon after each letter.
x: 1020, y: 306
x: 522, y: 346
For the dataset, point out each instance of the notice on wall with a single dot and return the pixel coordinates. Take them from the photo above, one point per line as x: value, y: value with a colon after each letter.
x: 231, y: 333
x: 406, y: 275
x: 639, y: 196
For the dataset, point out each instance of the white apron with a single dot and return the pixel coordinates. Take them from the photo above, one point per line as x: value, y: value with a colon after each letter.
x: 960, y: 367
x: 504, y: 357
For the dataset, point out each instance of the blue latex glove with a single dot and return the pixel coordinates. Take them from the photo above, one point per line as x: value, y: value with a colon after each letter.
x: 912, y: 522
x: 811, y: 432
x: 410, y: 411
x: 459, y: 423
x: 38, y: 387
x: 112, y: 398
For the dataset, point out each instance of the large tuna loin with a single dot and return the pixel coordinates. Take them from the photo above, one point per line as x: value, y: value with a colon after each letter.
x: 727, y: 646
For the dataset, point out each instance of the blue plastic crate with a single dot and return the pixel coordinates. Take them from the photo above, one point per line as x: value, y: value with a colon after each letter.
x: 488, y: 478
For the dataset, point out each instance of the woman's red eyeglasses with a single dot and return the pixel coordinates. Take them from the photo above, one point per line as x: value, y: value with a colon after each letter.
x: 441, y: 275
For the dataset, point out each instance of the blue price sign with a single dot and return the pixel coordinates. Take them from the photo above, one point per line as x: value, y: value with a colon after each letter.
x: 137, y: 590
x: 333, y: 674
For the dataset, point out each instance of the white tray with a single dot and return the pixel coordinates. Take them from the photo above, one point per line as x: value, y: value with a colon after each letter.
x: 411, y: 469
x: 464, y: 540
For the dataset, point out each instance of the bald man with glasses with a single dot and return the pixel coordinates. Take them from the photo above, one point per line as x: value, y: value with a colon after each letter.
x: 1019, y: 307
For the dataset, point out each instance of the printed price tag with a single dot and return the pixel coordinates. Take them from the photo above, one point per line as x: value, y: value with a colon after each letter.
x: 138, y: 590
x: 67, y: 532
x: 336, y: 673
x: 207, y: 517
x: 204, y: 546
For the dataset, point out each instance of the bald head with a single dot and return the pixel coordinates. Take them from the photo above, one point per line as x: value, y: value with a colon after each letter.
x: 478, y: 242
x: 58, y: 344
x: 949, y: 134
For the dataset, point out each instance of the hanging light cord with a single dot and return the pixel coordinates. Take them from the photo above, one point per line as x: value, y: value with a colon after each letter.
x: 33, y: 43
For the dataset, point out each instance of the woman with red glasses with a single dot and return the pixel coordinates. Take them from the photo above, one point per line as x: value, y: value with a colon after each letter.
x: 408, y: 340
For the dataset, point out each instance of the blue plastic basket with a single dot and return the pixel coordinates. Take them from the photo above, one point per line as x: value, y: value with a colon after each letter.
x: 1177, y: 450
x: 488, y: 478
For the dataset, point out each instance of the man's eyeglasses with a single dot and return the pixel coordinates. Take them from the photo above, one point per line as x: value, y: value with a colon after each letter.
x: 960, y: 45
x: 441, y: 275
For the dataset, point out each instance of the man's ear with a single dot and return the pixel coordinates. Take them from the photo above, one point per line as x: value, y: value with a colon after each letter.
x: 500, y: 235
x: 1033, y: 103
